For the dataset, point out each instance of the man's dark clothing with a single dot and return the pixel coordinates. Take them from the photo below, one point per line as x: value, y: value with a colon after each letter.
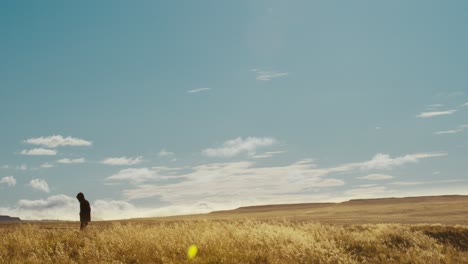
x: 85, y: 211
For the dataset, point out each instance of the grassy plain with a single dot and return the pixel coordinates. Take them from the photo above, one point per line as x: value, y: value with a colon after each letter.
x: 364, y: 231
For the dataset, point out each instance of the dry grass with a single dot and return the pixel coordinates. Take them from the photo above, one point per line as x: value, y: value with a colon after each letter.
x: 233, y: 241
x: 362, y: 231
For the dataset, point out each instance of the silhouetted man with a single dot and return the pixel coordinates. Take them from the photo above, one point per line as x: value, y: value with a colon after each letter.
x: 85, y: 211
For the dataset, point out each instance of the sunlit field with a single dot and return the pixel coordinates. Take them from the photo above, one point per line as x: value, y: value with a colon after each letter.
x: 232, y: 241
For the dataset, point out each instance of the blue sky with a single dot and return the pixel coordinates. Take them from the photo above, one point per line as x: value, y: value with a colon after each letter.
x: 157, y: 108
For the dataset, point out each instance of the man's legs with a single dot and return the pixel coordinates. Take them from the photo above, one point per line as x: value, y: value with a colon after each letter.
x: 83, y: 224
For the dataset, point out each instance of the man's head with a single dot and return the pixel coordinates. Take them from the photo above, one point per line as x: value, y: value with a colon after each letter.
x: 80, y: 196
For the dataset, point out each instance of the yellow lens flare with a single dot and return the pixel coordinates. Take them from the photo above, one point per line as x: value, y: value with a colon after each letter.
x: 192, y: 251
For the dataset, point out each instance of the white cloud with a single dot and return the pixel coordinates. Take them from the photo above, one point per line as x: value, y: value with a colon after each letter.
x: 384, y: 161
x: 465, y: 104
x: 452, y: 131
x: 163, y: 168
x: 376, y: 177
x: 57, y: 207
x: 309, y: 162
x: 47, y: 165
x: 239, y: 146
x: 238, y: 180
x: 164, y: 153
x: 198, y: 90
x: 39, y: 184
x: 139, y: 175
x: 39, y: 152
x: 268, y: 75
x: 436, y: 113
x: 220, y: 181
x: 134, y: 175
x: 444, y: 132
x: 267, y: 154
x: 123, y: 161
x: 4, y: 167
x: 71, y: 161
x: 47, y: 204
x: 58, y: 141
x: 8, y: 180
x: 435, y: 105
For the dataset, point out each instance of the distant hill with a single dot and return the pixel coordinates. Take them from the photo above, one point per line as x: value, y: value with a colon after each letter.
x: 368, y: 202
x: 6, y: 218
x: 447, y: 209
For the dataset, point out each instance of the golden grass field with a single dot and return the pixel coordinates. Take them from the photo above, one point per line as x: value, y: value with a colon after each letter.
x: 266, y: 234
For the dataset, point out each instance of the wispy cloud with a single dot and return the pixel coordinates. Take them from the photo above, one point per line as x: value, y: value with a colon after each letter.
x: 244, y: 180
x: 267, y: 154
x: 450, y: 94
x: 452, y: 131
x: 444, y: 132
x: 435, y: 105
x: 408, y: 183
x: 138, y: 175
x: 376, y: 177
x: 237, y: 146
x: 225, y: 181
x: 123, y: 161
x: 165, y: 153
x: 368, y: 185
x: 436, y: 113
x: 47, y: 165
x: 135, y: 175
x: 58, y: 141
x: 199, y: 90
x: 465, y: 104
x: 71, y: 161
x: 22, y: 167
x: 8, y: 180
x: 384, y: 161
x: 268, y: 75
x: 39, y: 152
x: 166, y: 169
x: 4, y: 167
x: 40, y: 185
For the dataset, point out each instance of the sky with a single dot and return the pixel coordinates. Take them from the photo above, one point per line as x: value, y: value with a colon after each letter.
x: 155, y: 108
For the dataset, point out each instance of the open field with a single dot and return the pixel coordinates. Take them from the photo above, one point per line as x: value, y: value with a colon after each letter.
x: 255, y: 235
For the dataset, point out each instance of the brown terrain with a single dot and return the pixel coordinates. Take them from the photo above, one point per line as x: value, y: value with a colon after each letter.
x: 449, y: 209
